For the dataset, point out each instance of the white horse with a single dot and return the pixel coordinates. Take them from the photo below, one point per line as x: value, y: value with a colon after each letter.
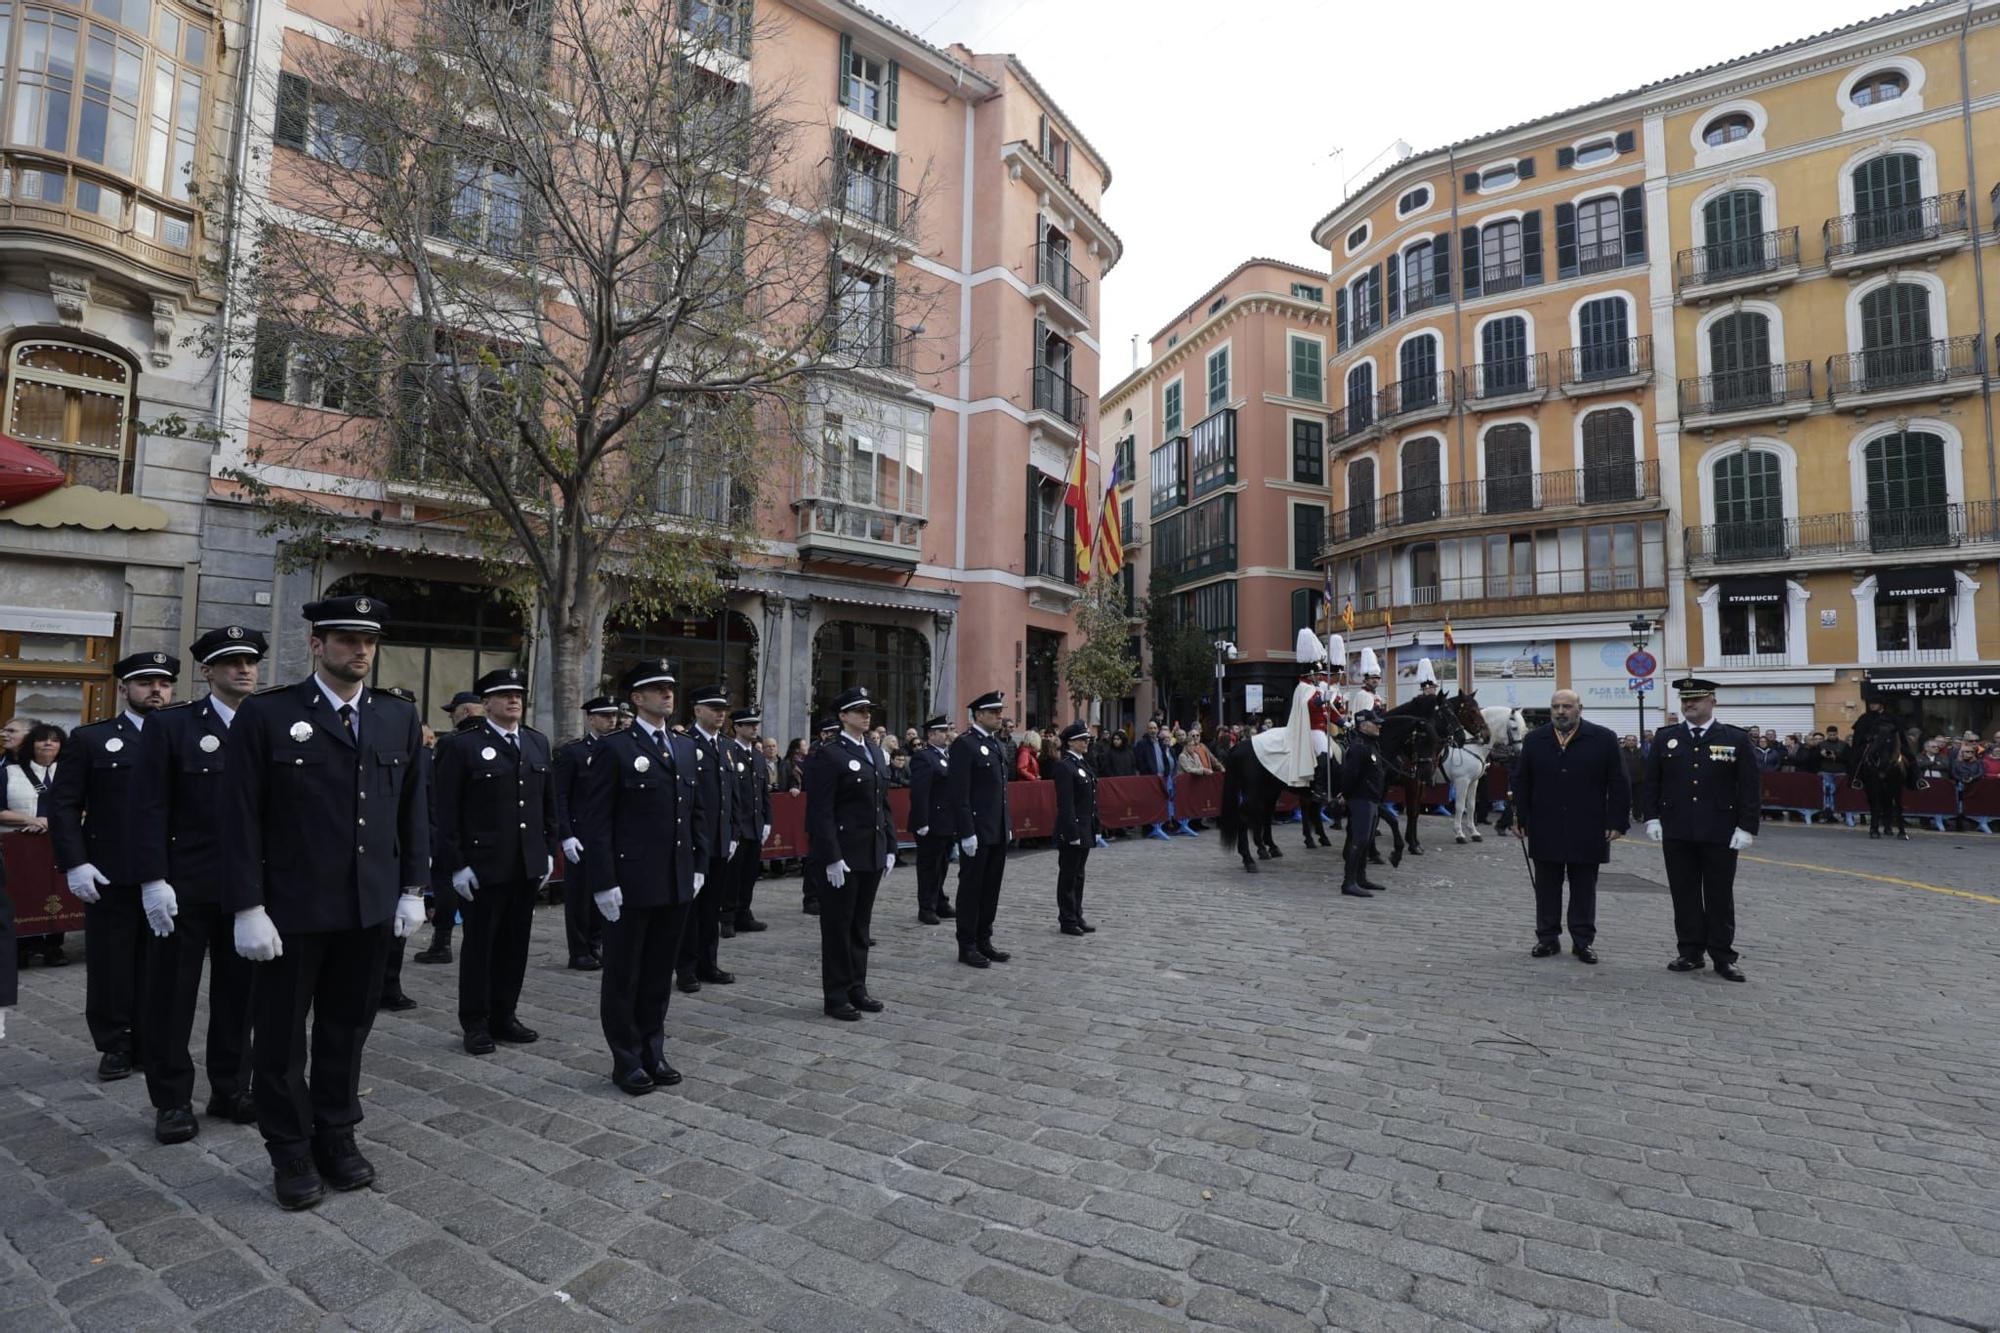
x: 1464, y: 768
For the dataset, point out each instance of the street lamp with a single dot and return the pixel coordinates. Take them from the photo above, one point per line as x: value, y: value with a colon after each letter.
x: 1642, y: 637
x: 726, y: 576
x: 1225, y: 651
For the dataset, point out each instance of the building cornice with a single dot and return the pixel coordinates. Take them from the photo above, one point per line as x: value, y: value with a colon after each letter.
x: 1062, y: 120
x: 1239, y: 307
x: 904, y: 46
x: 1024, y: 162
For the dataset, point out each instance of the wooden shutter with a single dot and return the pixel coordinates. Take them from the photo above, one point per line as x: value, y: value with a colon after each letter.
x: 1525, y: 168
x: 1395, y: 288
x: 892, y: 92
x: 294, y: 111
x: 1375, y: 296
x: 1441, y: 266
x: 890, y: 334
x: 892, y: 202
x: 1626, y: 141
x: 1531, y: 248
x: 1633, y: 201
x: 745, y: 15
x: 1566, y: 265
x: 841, y: 139
x: 1565, y: 158
x: 1469, y: 256
x: 1033, y: 525
x: 846, y: 63
x: 272, y: 349
x: 1340, y: 319
x: 1042, y: 141
x: 1472, y: 182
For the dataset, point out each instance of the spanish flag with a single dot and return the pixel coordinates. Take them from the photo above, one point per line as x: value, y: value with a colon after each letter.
x: 1450, y: 644
x: 1347, y: 616
x: 1110, y: 552
x: 1077, y: 497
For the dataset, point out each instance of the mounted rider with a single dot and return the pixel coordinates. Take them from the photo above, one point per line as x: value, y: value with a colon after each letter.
x: 1366, y: 694
x: 1879, y: 721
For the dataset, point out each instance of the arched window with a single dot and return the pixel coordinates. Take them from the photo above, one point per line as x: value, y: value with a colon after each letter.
x: 1749, y: 505
x: 1417, y: 373
x: 1888, y: 201
x: 1610, y: 470
x: 1727, y: 129
x: 1896, y: 335
x: 1360, y: 396
x: 1510, y: 469
x: 1503, y: 357
x: 1360, y: 497
x: 1600, y: 234
x: 1500, y: 256
x: 893, y: 661
x: 1882, y: 85
x: 1908, y: 495
x: 1603, y: 338
x: 73, y: 404
x: 1426, y: 275
x: 1739, y: 360
x: 1732, y: 227
x: 1422, y: 475
x: 447, y: 635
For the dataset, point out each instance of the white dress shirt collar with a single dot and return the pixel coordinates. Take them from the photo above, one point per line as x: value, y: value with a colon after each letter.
x: 222, y: 710
x: 138, y: 720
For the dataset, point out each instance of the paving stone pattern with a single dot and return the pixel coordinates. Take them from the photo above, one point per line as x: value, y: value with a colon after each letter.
x: 1245, y: 1102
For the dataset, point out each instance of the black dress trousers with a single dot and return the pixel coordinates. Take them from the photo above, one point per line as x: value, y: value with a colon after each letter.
x: 1549, y: 876
x: 116, y: 941
x: 173, y: 985
x: 744, y: 868
x: 701, y: 940
x: 1702, y: 878
x: 582, y: 923
x: 933, y: 855
x: 640, y: 949
x: 1070, y: 861
x: 845, y: 915
x: 332, y: 977
x: 493, y: 954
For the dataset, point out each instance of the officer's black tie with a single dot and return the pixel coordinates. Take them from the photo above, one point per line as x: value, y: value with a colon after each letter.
x: 347, y: 720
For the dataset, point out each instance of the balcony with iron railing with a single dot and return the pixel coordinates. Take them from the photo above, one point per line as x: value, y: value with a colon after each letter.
x: 1051, y: 556
x: 1605, y: 366
x: 867, y: 199
x: 1757, y: 393
x: 1051, y: 275
x: 1423, y: 294
x: 1360, y: 416
x: 1619, y: 486
x: 1505, y: 382
x: 866, y: 340
x: 1416, y: 398
x: 1052, y: 395
x: 1890, y: 235
x: 1942, y: 367
x: 1521, y: 598
x: 1834, y: 539
x: 1507, y: 277
x: 1746, y: 264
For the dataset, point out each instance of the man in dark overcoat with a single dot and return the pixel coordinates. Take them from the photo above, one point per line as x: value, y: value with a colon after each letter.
x: 1572, y: 802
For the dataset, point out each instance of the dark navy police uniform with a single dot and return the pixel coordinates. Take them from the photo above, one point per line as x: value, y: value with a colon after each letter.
x: 701, y: 941
x: 751, y: 815
x: 848, y: 820
x: 931, y: 821
x: 1703, y: 787
x: 977, y: 787
x: 1076, y: 829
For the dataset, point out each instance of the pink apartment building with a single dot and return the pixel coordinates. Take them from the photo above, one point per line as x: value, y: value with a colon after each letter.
x: 1223, y: 433
x: 937, y: 564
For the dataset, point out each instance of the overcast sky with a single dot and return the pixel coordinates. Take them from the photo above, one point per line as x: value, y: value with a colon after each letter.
x: 1221, y: 121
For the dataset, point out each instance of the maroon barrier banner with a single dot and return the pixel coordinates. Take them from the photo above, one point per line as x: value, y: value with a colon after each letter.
x: 788, y: 828
x: 1940, y: 798
x: 1031, y: 809
x: 1791, y: 791
x: 1134, y: 802
x: 899, y: 814
x: 42, y: 902
x: 1496, y: 782
x: 1194, y: 797
x: 1982, y: 798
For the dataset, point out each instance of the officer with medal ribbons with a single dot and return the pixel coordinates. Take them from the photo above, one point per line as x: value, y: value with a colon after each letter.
x: 931, y: 820
x: 181, y: 840
x: 700, y: 959
x: 646, y: 856
x: 93, y: 811
x: 853, y: 837
x: 494, y: 837
x: 1703, y: 803
x: 1077, y: 825
x: 977, y: 785
x: 582, y: 925
x: 328, y: 845
x: 751, y: 812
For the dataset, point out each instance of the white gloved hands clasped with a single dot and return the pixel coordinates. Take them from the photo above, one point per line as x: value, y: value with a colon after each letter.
x: 610, y: 902
x: 888, y: 863
x: 836, y: 874
x: 572, y: 850
x: 699, y: 880
x: 549, y: 872
x: 733, y: 845
x: 969, y: 846
x: 83, y: 881
x: 161, y: 905
x: 256, y: 936
x: 409, y: 915
x: 924, y: 832
x: 765, y: 836
x: 464, y: 883
x: 3, y: 1025
x: 1739, y: 841
x: 1654, y: 831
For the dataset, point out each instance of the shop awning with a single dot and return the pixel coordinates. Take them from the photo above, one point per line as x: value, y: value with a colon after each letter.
x: 1923, y: 581
x: 1938, y: 682
x: 1769, y: 591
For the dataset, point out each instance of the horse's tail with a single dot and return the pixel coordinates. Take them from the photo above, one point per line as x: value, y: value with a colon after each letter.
x: 1230, y: 819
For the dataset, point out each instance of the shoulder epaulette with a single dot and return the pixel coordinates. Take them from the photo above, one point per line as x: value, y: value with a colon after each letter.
x: 168, y: 708
x: 273, y: 689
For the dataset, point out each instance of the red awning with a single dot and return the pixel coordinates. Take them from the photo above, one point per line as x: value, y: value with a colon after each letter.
x: 24, y: 474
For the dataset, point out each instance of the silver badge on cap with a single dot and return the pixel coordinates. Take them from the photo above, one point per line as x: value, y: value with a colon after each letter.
x: 210, y: 744
x: 302, y: 731
x: 362, y: 606
x: 489, y: 753
x: 114, y: 745
x: 235, y: 631
x: 159, y: 659
x: 641, y: 764
x: 854, y: 765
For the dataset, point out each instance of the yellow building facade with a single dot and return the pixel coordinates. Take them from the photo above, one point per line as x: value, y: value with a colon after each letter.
x: 1805, y: 239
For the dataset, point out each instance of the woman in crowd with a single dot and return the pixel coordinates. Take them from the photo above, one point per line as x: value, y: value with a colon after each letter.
x: 25, y: 773
x: 791, y: 772
x: 1028, y: 759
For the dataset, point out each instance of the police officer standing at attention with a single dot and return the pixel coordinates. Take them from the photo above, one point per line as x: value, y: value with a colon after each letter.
x: 328, y: 846
x: 581, y: 923
x: 700, y: 942
x: 812, y: 874
x: 1076, y: 826
x: 181, y: 836
x: 646, y: 857
x: 93, y: 812
x: 1362, y: 780
x: 392, y: 996
x: 853, y: 837
x: 930, y: 820
x: 977, y: 784
x: 1703, y: 802
x: 751, y: 811
x: 494, y: 835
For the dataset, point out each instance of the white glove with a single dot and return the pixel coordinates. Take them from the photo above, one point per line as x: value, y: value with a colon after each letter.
x: 969, y: 846
x: 409, y: 915
x: 550, y: 872
x: 888, y: 863
x: 1654, y: 831
x: 924, y: 831
x: 699, y: 880
x: 572, y: 850
x: 1739, y: 841
x: 464, y: 883
x: 3, y: 1025
x: 609, y: 902
x: 157, y: 897
x: 83, y: 882
x: 836, y: 874
x: 765, y: 836
x: 256, y: 938
x: 733, y: 844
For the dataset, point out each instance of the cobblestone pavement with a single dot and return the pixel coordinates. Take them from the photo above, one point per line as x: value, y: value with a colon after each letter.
x: 1244, y: 1102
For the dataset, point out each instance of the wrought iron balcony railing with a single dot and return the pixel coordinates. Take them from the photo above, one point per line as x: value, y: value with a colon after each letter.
x: 1940, y: 361
x: 1505, y: 377
x: 1419, y: 393
x: 1776, y: 540
x: 1054, y: 393
x: 1531, y: 492
x: 1595, y: 362
x: 1053, y: 270
x: 1728, y: 261
x: 1752, y: 389
x: 1931, y: 219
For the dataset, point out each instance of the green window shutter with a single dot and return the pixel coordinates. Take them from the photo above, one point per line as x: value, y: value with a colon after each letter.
x: 1566, y: 257
x: 892, y: 93
x: 272, y: 349
x: 890, y: 334
x: 1469, y: 253
x: 1305, y: 370
x: 1531, y: 248
x: 1393, y: 264
x: 892, y: 201
x: 1441, y: 265
x: 1632, y: 203
x: 1340, y: 318
x: 294, y: 111
x: 841, y: 93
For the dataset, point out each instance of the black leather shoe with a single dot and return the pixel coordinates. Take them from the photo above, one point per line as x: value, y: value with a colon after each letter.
x: 340, y: 1163
x: 686, y: 985
x: 1584, y: 953
x: 396, y: 1001
x: 993, y: 955
x: 867, y: 1003
x: 717, y: 977
x: 928, y: 917
x: 586, y: 964
x: 1728, y: 972
x: 1371, y: 885
x: 947, y: 911
x: 435, y: 954
x: 973, y: 958
x: 297, y: 1183
x: 240, y: 1109
x: 750, y: 924
x: 515, y: 1033
x: 1088, y: 929
x: 1545, y: 949
x: 1684, y: 965
x: 638, y: 1082
x: 1070, y: 928
x: 1354, y: 891
x: 114, y: 1065
x: 176, y: 1124
x: 479, y: 1042
x: 846, y: 1013
x: 664, y: 1075
x: 726, y: 928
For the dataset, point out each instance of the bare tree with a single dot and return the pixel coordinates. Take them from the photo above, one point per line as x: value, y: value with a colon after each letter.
x: 555, y: 271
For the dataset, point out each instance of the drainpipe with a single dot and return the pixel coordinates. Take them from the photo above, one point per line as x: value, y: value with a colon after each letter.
x: 1458, y: 299
x: 1978, y: 266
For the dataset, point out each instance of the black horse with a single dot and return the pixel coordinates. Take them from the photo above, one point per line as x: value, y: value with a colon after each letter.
x: 1415, y: 737
x: 1884, y: 770
x: 1250, y: 795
